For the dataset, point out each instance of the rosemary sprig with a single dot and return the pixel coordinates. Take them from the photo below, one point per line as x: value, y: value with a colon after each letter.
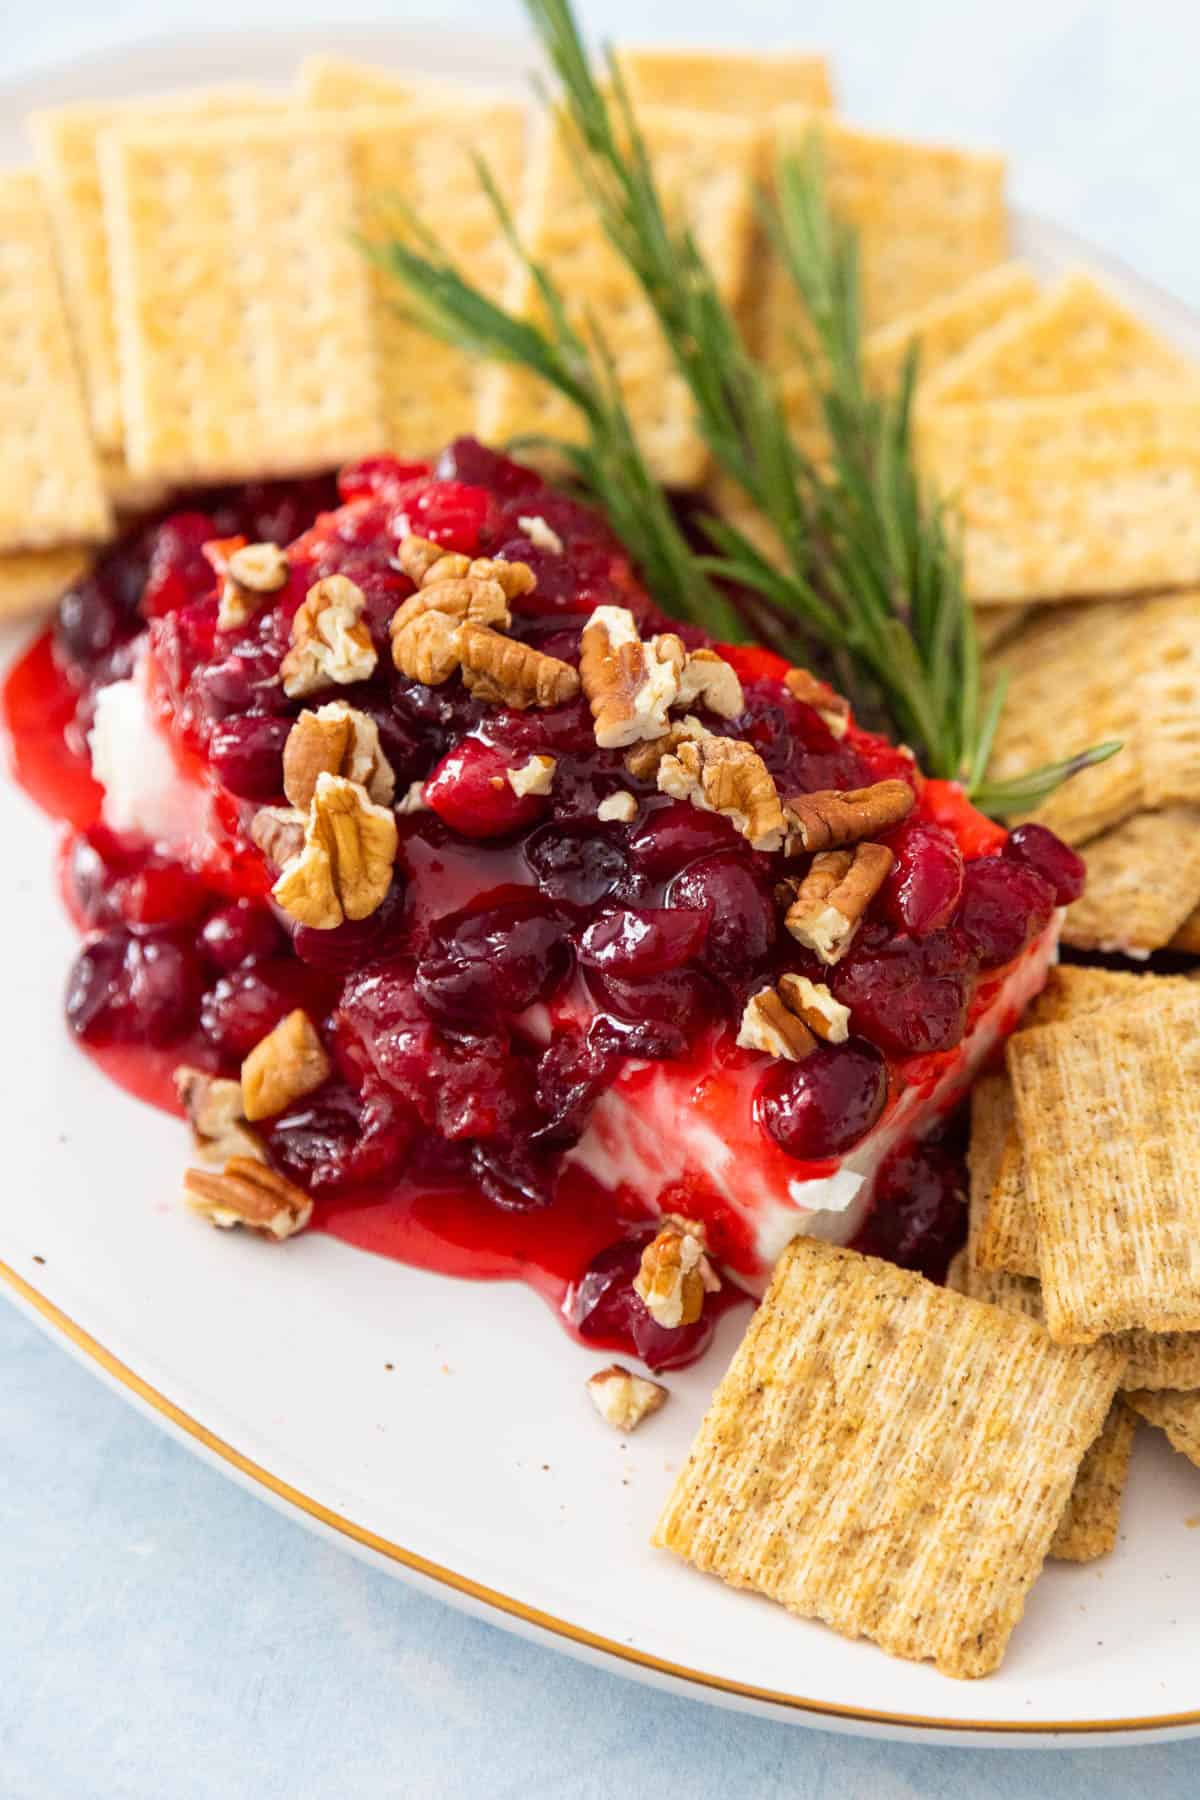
x: 868, y: 569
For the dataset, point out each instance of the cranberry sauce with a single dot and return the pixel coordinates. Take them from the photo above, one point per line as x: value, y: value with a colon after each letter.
x: 547, y: 1000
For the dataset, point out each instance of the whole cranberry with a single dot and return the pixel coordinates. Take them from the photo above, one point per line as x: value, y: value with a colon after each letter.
x: 90, y: 622
x: 466, y: 459
x: 918, y: 1216
x: 497, y: 960
x: 358, y: 941
x: 1004, y: 905
x: 247, y: 754
x: 516, y: 1177
x: 90, y: 877
x: 633, y: 942
x: 238, y: 933
x: 908, y: 995
x: 379, y: 476
x: 243, y: 1007
x: 605, y: 1308
x: 742, y: 927
x: 453, y: 513
x: 1040, y: 850
x: 124, y: 989
x: 660, y: 1016
x: 179, y: 571
x: 158, y: 894
x: 248, y: 677
x: 470, y: 790
x: 667, y: 839
x: 381, y: 1028
x: 820, y: 1107
x: 341, y: 1139
x: 924, y: 887
x: 577, y: 866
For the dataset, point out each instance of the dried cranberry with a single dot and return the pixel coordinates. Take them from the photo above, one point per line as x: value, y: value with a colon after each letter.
x: 572, y: 1073
x: 125, y: 989
x: 1004, y: 905
x: 470, y: 790
x: 342, y: 1139
x: 922, y: 891
x: 742, y: 928
x: 440, y: 715
x: 482, y: 1088
x: 674, y: 835
x: 822, y: 1106
x: 235, y: 934
x: 515, y: 1177
x: 605, y: 1308
x: 1040, y: 850
x: 243, y: 1007
x: 918, y: 1215
x: 247, y: 754
x: 633, y: 943
x: 499, y: 960
x: 579, y: 867
x: 909, y: 995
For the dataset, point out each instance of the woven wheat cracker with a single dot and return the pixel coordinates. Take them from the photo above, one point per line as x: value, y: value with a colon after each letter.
x: 66, y: 142
x: 741, y: 82
x: 1176, y: 1414
x: 1078, y: 337
x: 33, y: 578
x: 1167, y: 678
x: 943, y: 328
x: 1071, y: 496
x: 243, y: 307
x: 52, y: 493
x: 1069, y: 687
x: 706, y: 167
x: 1142, y: 883
x: 1110, y: 1125
x: 888, y: 1457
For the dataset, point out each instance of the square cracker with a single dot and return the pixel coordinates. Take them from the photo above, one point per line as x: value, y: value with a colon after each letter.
x: 338, y: 82
x: 706, y: 167
x: 66, y: 143
x: 1143, y: 880
x: 33, y: 578
x: 889, y: 1457
x: 1071, y: 496
x: 52, y: 493
x: 745, y: 83
x: 1078, y: 337
x: 1110, y: 1124
x: 944, y: 327
x: 1167, y: 679
x: 243, y: 307
x: 1176, y: 1414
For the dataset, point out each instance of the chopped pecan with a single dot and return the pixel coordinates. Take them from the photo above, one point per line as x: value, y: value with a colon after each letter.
x: 643, y: 759
x: 629, y: 684
x: 214, y: 1112
x: 620, y: 808
x: 541, y: 535
x: 769, y: 1024
x: 536, y: 776
x: 725, y: 775
x: 251, y: 573
x: 279, y: 833
x: 825, y: 820
x: 429, y: 565
x: 330, y: 642
x: 248, y: 1193
x: 505, y: 672
x: 708, y: 679
x: 813, y: 1002
x: 832, y: 707
x: 426, y: 648
x: 827, y: 906
x: 512, y: 578
x: 414, y: 800
x: 337, y: 740
x: 674, y: 1275
x: 623, y: 1399
x: 344, y: 869
x: 468, y: 597
x: 283, y: 1066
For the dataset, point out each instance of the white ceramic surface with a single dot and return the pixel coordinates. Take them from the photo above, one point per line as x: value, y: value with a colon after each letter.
x: 475, y: 1465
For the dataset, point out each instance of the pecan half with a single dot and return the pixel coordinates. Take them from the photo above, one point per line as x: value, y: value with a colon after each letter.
x: 832, y: 707
x: 251, y: 573
x: 337, y: 740
x: 533, y: 777
x: 725, y: 775
x: 468, y: 597
x: 827, y: 906
x: 214, y: 1112
x: 769, y: 1024
x: 674, y: 1275
x: 623, y: 1399
x: 629, y: 684
x: 831, y: 817
x: 278, y: 832
x: 248, y: 1193
x: 429, y: 565
x: 505, y: 672
x: 330, y: 642
x: 813, y: 1002
x: 426, y: 647
x: 283, y: 1066
x: 344, y: 869
x: 710, y: 681
x: 643, y: 760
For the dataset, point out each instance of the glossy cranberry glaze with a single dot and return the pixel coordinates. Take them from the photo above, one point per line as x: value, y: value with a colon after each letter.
x: 528, y: 959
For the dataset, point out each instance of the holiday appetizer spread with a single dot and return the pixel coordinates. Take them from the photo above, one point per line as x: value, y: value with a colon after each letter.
x: 598, y: 658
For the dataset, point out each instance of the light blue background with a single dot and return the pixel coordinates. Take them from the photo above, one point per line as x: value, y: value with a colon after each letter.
x: 162, y: 1634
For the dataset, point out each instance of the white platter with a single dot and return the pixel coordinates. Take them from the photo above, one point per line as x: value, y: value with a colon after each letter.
x: 475, y: 1466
